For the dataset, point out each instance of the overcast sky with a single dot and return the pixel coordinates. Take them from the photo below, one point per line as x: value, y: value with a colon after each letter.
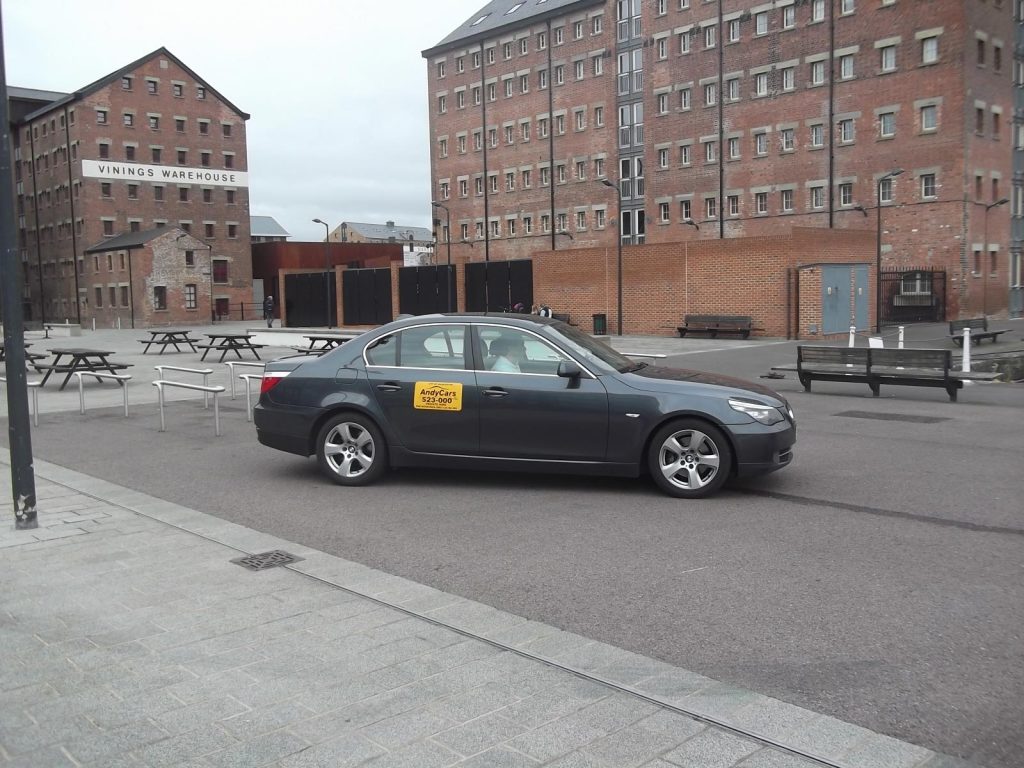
x: 336, y: 89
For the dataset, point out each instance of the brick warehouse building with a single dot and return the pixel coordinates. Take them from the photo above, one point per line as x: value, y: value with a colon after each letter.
x: 735, y: 119
x: 152, y: 145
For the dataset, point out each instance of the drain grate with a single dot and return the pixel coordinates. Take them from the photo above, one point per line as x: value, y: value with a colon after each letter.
x: 893, y: 417
x: 263, y: 560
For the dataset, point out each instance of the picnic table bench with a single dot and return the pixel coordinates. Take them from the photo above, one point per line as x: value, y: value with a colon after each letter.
x: 69, y: 361
x: 716, y: 324
x: 230, y: 342
x: 29, y: 356
x: 319, y: 344
x: 876, y: 366
x: 979, y: 330
x: 162, y: 338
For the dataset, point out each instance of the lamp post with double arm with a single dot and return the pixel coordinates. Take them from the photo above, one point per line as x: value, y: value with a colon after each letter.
x: 878, y: 247
x: 618, y: 235
x: 327, y: 266
x: 448, y: 241
x: 986, y: 257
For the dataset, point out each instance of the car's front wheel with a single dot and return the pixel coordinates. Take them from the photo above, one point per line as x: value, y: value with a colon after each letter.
x: 350, y: 450
x: 689, y: 458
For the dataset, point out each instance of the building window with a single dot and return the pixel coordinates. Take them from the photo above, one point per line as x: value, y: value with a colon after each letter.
x: 561, y: 222
x: 929, y: 50
x: 159, y: 297
x: 124, y: 295
x: 154, y: 122
x: 885, y: 191
x: 581, y: 170
x: 190, y: 296
x: 733, y: 203
x: 204, y: 127
x: 817, y: 72
x: 190, y: 258
x: 179, y: 90
x: 888, y: 58
x: 128, y: 119
x: 788, y: 139
x: 442, y: 104
x: 846, y: 194
x: 229, y: 160
x: 133, y: 191
x: 732, y: 89
x: 761, y: 203
x: 817, y: 10
x: 786, y: 201
x: 710, y: 36
x: 152, y: 86
x: 979, y: 120
x: 980, y: 45
x: 846, y: 131
x: 733, y: 30
x: 887, y: 125
x: 208, y: 230
x: 928, y: 185
x: 684, y: 98
x: 663, y: 158
x: 182, y: 157
x: 220, y: 270
x: 662, y: 103
x: 761, y: 84
x: 101, y: 117
x: 599, y: 218
x: 929, y: 118
x: 788, y: 17
x: 232, y: 231
x: 179, y: 124
x: 597, y: 65
x: 126, y: 83
x: 200, y: 93
x: 711, y: 208
x: 846, y: 6
x: 204, y: 159
x: 710, y: 94
x: 662, y: 48
x: 226, y: 130
x: 207, y: 195
x: 105, y: 189
x: 112, y: 290
x: 183, y: 194
x: 664, y: 215
x: 846, y: 67
x: 158, y: 194
x: 710, y: 151
x: 761, y: 23
x: 734, y: 148
x: 760, y: 143
x: 129, y: 152
x: 104, y: 150
x: 99, y: 297
x: 817, y: 197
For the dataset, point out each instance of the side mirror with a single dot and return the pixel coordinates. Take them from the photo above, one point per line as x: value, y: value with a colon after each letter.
x: 568, y: 369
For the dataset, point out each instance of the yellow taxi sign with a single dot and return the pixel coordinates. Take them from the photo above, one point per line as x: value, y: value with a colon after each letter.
x: 437, y: 396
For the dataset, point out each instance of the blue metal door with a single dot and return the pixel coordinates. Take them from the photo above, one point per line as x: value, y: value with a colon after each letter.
x: 835, y: 299
x: 860, y: 297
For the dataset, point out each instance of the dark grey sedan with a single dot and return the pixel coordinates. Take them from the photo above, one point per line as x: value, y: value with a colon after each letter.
x: 517, y: 392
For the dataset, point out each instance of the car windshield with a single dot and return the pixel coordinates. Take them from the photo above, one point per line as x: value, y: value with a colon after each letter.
x: 592, y: 350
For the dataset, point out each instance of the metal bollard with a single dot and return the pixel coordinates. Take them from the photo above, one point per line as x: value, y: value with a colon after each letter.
x: 966, y: 365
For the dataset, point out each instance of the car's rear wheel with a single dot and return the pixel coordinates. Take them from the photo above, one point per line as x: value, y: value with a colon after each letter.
x: 689, y: 458
x: 350, y: 450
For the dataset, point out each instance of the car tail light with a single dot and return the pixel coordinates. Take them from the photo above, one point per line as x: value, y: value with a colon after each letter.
x: 271, y: 379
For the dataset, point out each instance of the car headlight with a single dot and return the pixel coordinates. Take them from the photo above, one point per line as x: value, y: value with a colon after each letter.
x: 759, y: 412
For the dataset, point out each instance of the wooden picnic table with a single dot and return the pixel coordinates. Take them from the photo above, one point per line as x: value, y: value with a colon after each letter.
x: 163, y: 337
x: 29, y: 356
x: 230, y: 342
x: 69, y: 360
x: 321, y: 343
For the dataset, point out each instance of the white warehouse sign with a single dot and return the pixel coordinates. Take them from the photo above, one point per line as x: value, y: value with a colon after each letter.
x: 101, y: 169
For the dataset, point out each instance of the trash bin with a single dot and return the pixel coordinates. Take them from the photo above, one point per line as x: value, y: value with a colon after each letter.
x: 601, y: 325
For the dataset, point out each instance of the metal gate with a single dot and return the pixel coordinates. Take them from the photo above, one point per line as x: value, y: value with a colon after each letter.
x: 913, y: 295
x: 306, y: 301
x: 426, y: 289
x: 498, y: 286
x: 367, y: 296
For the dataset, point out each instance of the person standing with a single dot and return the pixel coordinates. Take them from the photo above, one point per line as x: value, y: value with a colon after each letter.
x: 268, y: 311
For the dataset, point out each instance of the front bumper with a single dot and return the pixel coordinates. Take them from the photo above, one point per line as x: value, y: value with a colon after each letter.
x: 760, y: 449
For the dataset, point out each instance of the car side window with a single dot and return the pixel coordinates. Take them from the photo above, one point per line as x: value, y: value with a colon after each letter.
x: 433, y: 346
x: 383, y: 352
x: 511, y: 350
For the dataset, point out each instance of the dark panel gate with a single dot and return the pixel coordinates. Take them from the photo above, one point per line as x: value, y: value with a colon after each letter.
x: 306, y: 301
x: 913, y: 296
x: 426, y: 289
x: 367, y: 296
x: 499, y: 285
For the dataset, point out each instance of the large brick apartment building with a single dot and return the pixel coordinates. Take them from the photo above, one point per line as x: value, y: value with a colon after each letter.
x: 151, y: 145
x: 732, y: 118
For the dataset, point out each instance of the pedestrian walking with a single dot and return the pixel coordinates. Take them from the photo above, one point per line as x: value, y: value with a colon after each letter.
x: 268, y: 311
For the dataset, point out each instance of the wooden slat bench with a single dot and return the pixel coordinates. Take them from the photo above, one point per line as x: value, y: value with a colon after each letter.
x: 716, y: 324
x: 979, y: 330
x: 876, y: 366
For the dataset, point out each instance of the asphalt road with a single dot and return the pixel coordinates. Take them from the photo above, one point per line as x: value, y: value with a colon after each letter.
x: 878, y: 579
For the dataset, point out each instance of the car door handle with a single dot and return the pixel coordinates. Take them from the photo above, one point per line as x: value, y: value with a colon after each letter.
x: 390, y: 387
x: 494, y: 392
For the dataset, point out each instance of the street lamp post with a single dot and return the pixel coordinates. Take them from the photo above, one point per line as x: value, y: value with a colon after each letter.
x: 448, y: 240
x: 985, y: 257
x: 878, y: 247
x: 618, y: 234
x: 327, y: 266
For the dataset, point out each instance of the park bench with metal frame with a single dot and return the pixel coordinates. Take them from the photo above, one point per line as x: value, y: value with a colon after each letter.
x: 978, y: 327
x: 716, y: 324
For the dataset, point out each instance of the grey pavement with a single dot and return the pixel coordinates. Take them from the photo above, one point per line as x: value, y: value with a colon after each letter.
x: 131, y: 638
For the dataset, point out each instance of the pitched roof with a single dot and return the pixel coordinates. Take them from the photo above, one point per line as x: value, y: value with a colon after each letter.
x: 131, y: 240
x: 385, y: 232
x: 499, y: 14
x: 33, y: 94
x: 115, y: 76
x: 266, y: 226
